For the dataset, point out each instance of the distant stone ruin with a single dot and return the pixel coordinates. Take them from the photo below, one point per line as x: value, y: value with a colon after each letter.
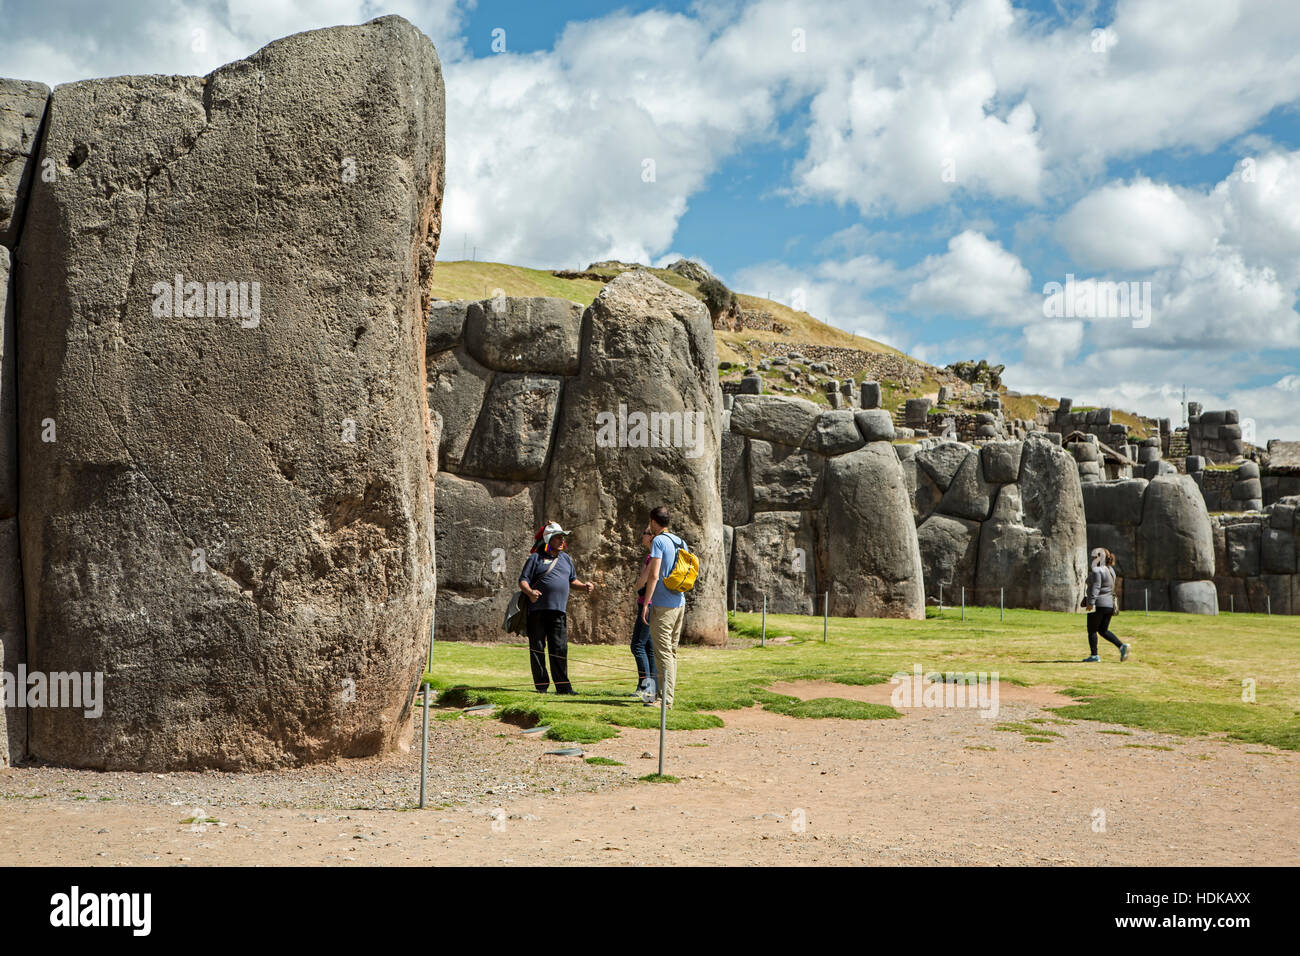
x: 814, y: 502
x: 1257, y: 559
x: 1004, y: 521
x: 1159, y: 531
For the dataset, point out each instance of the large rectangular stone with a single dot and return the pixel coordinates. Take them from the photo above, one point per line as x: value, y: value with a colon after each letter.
x: 22, y: 109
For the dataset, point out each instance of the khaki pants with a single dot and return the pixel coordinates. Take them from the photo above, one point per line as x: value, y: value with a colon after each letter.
x: 666, y: 629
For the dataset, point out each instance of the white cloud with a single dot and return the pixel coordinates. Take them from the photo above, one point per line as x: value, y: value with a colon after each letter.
x: 1135, y: 227
x: 976, y: 277
x: 1052, y: 343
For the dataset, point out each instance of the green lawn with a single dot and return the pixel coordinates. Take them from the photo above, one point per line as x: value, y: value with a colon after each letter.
x: 1185, y: 676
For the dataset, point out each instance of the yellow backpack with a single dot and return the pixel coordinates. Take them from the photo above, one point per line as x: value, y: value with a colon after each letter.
x: 685, y: 572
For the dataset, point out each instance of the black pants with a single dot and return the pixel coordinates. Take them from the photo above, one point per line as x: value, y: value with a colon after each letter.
x: 1099, y: 623
x: 546, y: 632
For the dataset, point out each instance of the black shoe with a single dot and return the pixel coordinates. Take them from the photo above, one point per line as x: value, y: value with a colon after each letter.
x: 567, y: 693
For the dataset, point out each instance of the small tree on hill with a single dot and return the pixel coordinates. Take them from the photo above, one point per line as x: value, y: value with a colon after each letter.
x: 717, y: 297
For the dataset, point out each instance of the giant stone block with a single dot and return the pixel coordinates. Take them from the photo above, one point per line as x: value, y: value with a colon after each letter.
x: 234, y: 524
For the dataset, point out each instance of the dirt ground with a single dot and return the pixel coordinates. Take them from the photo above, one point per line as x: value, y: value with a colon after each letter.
x: 938, y: 786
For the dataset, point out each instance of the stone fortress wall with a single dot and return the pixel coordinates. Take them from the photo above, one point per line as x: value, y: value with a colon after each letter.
x: 540, y: 403
x: 815, y: 501
x: 1160, y: 534
x: 1256, y: 559
x: 1003, y: 520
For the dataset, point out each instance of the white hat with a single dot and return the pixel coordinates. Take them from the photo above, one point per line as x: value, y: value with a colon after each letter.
x: 550, y: 531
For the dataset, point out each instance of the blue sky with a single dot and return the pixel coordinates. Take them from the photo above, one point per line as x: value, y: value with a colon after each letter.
x: 913, y: 170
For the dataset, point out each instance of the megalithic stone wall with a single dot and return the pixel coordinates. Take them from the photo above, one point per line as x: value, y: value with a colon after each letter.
x: 225, y: 500
x: 22, y: 111
x: 1004, y: 521
x: 817, y: 503
x: 647, y: 351
x: 497, y: 370
x: 1257, y: 559
x: 523, y: 386
x: 1160, y: 534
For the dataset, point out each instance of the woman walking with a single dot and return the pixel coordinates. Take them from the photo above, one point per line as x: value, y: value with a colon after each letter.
x: 1100, y: 602
x: 643, y: 650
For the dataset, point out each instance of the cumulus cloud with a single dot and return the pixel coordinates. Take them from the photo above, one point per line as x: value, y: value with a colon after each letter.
x: 1136, y: 227
x: 976, y: 277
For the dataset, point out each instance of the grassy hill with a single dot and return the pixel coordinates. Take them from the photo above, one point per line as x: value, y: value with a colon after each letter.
x: 908, y: 378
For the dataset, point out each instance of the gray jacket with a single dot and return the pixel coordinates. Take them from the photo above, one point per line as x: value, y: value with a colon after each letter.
x: 1101, y: 587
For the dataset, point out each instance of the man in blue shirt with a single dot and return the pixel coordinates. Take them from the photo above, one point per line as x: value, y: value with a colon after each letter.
x: 666, y: 610
x: 545, y: 581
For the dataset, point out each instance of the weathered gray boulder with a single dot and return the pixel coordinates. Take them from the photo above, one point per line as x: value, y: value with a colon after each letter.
x: 457, y: 386
x: 446, y: 328
x: 949, y: 551
x: 233, y: 520
x: 1001, y: 461
x: 968, y: 496
x: 484, y: 533
x: 835, y: 433
x: 1277, y: 552
x: 1120, y: 540
x: 776, y: 418
x: 1114, y: 502
x: 875, y: 424
x: 1193, y: 597
x: 1174, y: 539
x: 942, y: 461
x: 13, y: 635
x: 1137, y: 592
x: 735, y: 477
x: 776, y: 554
x: 1246, y: 490
x: 22, y: 107
x: 1242, y: 549
x: 870, y: 395
x: 1281, y: 593
x: 649, y: 347
x: 513, y: 436
x: 784, y: 478
x: 1039, y: 560
x: 869, y: 547
x: 515, y: 334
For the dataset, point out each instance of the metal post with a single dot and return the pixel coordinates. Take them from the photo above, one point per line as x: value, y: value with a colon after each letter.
x: 734, y: 605
x: 963, y: 602
x: 663, y: 726
x: 1146, y: 597
x: 826, y: 603
x: 763, y: 639
x: 1001, y: 602
x: 940, y: 598
x: 424, y: 741
x: 1232, y: 604
x: 1268, y: 604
